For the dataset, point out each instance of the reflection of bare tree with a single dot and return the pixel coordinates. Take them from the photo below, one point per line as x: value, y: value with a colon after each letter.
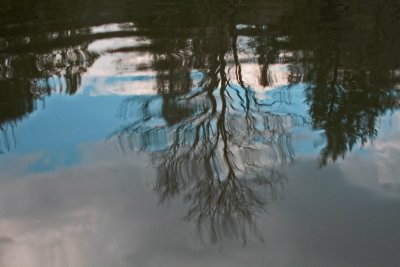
x: 222, y: 152
x: 214, y: 141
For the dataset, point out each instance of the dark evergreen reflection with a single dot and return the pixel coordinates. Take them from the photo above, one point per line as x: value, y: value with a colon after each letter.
x: 352, y: 65
x: 214, y: 141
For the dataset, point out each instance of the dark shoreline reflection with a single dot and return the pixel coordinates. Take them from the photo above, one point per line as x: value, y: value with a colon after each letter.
x: 26, y: 79
x: 214, y: 140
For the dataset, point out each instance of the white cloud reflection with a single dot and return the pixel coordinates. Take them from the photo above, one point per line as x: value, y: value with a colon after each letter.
x: 130, y: 72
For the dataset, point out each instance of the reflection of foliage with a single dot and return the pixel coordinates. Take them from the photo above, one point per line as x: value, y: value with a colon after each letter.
x: 345, y: 117
x: 26, y: 78
x: 352, y: 83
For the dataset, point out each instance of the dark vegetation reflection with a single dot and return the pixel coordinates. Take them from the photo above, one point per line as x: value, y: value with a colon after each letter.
x: 215, y: 142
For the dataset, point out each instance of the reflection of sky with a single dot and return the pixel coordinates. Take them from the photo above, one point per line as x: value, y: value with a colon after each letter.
x: 64, y: 123
x: 94, y: 113
x: 69, y: 198
x: 380, y: 158
x: 102, y: 212
x: 290, y: 100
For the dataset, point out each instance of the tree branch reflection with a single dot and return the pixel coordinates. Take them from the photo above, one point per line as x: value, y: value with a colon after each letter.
x: 214, y: 145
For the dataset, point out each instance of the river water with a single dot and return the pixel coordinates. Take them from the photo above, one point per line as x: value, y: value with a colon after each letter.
x: 199, y: 133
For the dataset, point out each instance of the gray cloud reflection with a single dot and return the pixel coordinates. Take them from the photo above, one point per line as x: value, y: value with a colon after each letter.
x: 376, y: 168
x: 103, y: 212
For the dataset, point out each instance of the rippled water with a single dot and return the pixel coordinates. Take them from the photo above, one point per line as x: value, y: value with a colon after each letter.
x: 199, y: 133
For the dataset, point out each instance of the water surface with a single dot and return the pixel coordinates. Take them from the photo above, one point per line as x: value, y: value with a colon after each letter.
x: 199, y: 133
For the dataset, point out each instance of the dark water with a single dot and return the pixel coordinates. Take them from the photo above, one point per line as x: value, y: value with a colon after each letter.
x: 199, y: 133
